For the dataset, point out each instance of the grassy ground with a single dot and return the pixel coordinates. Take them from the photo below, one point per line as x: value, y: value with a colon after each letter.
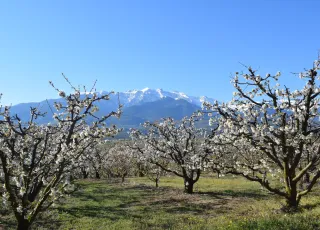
x: 227, y: 203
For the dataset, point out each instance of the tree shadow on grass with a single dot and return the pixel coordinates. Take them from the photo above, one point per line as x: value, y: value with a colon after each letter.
x: 235, y: 194
x: 200, y: 209
x: 188, y: 205
x: 99, y: 197
x: 112, y: 213
x: 142, y: 187
x: 102, y: 194
x: 47, y: 224
x: 310, y: 206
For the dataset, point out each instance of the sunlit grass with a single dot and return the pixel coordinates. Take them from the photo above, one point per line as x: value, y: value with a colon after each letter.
x: 224, y: 203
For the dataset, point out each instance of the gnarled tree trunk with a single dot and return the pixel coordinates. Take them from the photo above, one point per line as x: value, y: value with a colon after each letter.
x: 188, y: 186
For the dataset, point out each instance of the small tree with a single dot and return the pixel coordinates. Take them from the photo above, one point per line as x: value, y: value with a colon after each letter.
x: 119, y: 160
x: 91, y: 162
x: 37, y: 160
x: 267, y: 131
x: 175, y: 147
x: 153, y: 172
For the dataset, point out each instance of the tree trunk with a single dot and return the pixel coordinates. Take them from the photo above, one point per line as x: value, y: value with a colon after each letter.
x: 292, y: 199
x: 122, y: 178
x: 188, y: 186
x: 97, y: 175
x: 84, y: 174
x: 140, y: 173
x: 157, y: 182
x: 23, y: 224
x: 292, y: 203
x: 35, y: 191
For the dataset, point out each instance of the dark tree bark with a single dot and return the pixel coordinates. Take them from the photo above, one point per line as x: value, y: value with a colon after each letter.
x: 23, y: 224
x: 188, y: 186
x: 97, y: 175
x: 35, y: 191
x: 85, y: 174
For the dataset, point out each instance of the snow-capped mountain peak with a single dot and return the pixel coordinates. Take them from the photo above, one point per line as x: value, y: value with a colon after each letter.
x: 136, y: 97
x: 145, y: 89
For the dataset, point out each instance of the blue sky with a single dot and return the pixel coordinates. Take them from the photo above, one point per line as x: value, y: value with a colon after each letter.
x: 189, y: 46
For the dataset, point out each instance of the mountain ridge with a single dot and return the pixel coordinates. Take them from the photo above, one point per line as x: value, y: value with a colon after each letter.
x: 139, y: 106
x: 135, y: 97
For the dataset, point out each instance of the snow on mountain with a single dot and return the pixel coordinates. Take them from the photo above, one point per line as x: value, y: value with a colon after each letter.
x: 139, y: 106
x: 137, y: 97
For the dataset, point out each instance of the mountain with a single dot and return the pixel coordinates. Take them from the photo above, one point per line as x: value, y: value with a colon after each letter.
x: 164, y: 107
x: 139, y: 106
x: 136, y: 97
x: 47, y: 106
x: 153, y: 111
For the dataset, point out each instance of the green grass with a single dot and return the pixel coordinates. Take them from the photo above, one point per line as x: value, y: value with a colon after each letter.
x: 225, y: 203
